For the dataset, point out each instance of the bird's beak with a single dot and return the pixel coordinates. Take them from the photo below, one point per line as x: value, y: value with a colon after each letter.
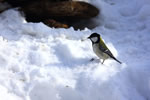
x: 88, y: 37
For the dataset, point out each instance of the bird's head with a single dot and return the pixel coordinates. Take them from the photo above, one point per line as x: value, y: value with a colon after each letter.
x: 94, y: 37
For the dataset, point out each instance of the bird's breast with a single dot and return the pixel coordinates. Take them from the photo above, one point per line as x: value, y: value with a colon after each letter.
x: 98, y: 52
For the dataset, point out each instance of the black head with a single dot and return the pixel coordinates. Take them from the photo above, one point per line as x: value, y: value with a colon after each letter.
x: 94, y: 37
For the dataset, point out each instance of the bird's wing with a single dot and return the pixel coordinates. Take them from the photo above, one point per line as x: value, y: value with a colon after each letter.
x: 104, y: 48
x: 109, y: 53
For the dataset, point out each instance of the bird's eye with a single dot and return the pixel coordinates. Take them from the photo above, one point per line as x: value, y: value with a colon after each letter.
x: 94, y: 39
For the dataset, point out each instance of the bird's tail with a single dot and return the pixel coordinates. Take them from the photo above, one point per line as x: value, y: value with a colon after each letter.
x: 117, y: 60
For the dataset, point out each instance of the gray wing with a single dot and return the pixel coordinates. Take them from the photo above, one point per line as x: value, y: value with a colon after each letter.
x: 107, y: 51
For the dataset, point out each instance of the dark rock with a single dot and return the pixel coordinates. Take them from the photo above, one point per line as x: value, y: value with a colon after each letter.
x: 55, y: 24
x: 1, y: 0
x: 3, y: 6
x: 20, y: 3
x: 38, y: 11
x: 72, y: 13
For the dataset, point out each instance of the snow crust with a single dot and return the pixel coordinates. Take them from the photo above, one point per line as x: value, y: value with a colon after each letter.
x: 42, y: 63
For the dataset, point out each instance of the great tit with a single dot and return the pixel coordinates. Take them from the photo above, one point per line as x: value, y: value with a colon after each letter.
x: 100, y: 48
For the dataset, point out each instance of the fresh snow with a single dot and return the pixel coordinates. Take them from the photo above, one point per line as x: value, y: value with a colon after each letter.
x: 42, y: 63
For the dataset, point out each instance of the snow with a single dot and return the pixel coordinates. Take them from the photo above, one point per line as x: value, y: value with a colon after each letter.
x: 42, y: 63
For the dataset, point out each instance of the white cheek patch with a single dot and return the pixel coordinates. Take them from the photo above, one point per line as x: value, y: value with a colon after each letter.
x: 94, y: 39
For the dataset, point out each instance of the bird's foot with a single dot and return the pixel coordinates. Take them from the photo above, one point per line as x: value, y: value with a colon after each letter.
x: 92, y: 59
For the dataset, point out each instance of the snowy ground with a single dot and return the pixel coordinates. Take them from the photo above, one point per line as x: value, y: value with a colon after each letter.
x: 42, y: 63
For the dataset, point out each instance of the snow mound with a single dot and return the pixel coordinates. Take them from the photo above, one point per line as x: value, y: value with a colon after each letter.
x: 42, y: 63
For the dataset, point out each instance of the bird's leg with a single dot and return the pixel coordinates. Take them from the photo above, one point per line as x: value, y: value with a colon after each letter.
x: 92, y: 59
x: 103, y: 61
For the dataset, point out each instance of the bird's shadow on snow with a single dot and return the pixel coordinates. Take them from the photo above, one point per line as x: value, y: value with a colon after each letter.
x: 67, y: 58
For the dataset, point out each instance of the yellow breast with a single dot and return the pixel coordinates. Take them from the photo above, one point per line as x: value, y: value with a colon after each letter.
x: 99, y: 53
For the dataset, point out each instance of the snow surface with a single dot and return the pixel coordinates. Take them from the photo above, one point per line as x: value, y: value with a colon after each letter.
x: 42, y: 63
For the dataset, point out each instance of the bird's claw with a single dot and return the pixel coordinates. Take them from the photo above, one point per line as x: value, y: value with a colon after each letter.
x: 92, y: 59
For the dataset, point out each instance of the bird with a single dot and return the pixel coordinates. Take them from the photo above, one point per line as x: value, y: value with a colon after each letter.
x: 100, y: 48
